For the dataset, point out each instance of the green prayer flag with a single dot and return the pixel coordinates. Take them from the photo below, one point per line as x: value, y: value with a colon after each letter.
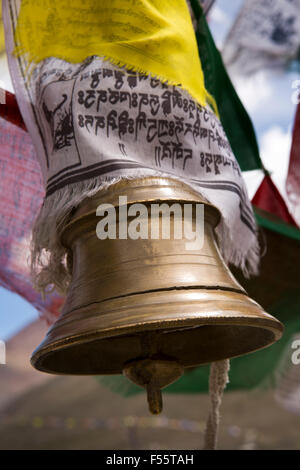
x: 234, y: 117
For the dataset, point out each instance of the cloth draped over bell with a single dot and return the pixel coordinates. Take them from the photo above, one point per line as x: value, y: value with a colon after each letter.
x: 116, y: 90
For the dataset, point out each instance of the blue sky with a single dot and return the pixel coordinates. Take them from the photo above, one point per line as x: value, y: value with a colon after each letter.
x: 15, y: 313
x: 266, y: 96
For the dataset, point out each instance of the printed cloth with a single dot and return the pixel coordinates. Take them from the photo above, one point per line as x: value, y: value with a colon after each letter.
x: 266, y: 34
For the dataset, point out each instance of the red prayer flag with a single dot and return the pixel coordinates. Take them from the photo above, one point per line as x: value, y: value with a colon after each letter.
x: 269, y: 199
x: 22, y: 194
x: 9, y: 109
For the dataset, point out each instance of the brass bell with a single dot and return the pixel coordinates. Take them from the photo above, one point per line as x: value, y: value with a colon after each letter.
x: 149, y: 308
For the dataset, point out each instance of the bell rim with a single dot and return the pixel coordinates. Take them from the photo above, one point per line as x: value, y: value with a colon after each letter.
x: 233, y: 318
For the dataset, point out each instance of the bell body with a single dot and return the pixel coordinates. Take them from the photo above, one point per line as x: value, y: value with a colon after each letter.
x: 132, y: 300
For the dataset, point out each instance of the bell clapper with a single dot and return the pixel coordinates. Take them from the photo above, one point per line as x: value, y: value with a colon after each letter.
x: 154, y: 398
x: 153, y: 375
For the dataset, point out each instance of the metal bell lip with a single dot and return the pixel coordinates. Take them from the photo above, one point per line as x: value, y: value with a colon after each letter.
x: 227, y: 325
x: 132, y: 300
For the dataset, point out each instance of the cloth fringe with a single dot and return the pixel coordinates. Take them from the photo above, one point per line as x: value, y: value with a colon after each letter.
x: 218, y: 380
x: 48, y: 256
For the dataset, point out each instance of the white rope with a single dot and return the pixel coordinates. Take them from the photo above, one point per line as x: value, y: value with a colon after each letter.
x: 217, y: 382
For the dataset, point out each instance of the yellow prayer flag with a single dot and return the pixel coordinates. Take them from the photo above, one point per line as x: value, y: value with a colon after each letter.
x: 153, y: 37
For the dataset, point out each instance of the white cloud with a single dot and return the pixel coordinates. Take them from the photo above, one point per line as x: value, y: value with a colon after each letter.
x: 5, y: 75
x: 253, y: 91
x: 275, y: 146
x: 252, y: 179
x: 219, y: 16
